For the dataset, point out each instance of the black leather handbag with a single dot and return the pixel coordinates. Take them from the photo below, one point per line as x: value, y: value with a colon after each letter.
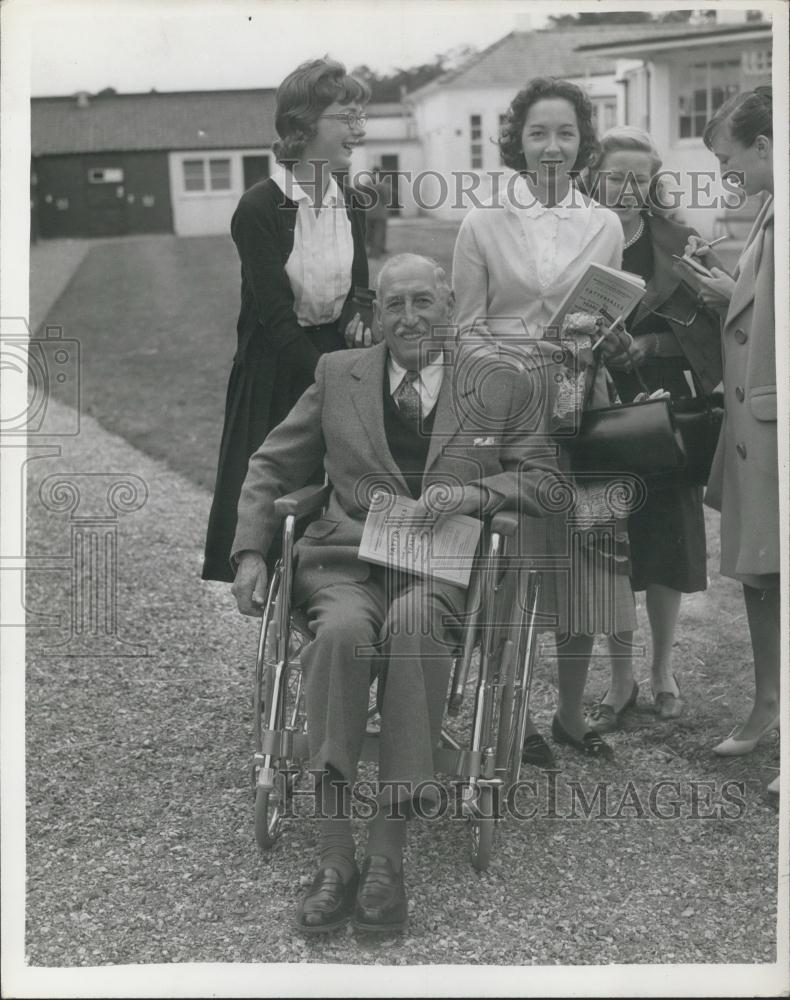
x: 663, y: 440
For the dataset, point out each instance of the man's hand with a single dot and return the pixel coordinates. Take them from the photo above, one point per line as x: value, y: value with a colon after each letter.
x: 440, y: 500
x: 249, y: 587
x: 357, y: 334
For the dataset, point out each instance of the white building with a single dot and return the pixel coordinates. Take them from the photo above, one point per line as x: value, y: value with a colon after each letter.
x: 672, y: 83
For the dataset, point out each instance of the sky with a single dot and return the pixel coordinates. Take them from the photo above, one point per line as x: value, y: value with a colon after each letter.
x: 197, y: 45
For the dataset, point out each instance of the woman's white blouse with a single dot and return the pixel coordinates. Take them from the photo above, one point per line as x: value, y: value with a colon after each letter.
x: 319, y: 266
x: 515, y: 261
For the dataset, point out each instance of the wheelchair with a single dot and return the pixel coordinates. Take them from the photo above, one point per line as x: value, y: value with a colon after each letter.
x: 499, y: 626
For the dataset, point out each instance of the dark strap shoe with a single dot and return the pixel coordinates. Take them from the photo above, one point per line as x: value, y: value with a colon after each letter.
x: 590, y: 744
x: 537, y: 751
x: 381, y: 898
x: 328, y: 903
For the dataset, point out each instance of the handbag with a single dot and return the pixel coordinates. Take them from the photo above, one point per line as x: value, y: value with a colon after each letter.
x: 663, y: 440
x: 699, y: 421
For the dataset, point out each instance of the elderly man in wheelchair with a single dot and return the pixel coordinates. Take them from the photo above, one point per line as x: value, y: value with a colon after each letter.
x: 421, y: 416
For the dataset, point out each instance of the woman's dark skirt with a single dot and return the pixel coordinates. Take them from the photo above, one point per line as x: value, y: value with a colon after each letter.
x: 667, y: 534
x: 261, y: 393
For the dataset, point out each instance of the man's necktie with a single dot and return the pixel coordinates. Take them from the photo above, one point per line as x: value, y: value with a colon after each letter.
x: 408, y: 399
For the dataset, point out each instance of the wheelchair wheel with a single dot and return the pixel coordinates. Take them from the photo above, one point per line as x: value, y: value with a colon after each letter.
x: 270, y: 806
x: 481, y: 829
x: 280, y: 724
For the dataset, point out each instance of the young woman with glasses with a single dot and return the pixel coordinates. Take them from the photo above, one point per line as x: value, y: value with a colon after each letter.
x: 674, y: 337
x: 300, y: 236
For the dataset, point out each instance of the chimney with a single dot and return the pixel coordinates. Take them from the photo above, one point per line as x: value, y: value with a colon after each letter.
x: 83, y: 99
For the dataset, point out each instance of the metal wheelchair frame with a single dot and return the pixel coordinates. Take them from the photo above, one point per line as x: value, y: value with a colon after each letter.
x: 492, y: 761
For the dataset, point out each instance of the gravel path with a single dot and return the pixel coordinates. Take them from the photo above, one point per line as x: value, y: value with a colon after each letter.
x: 140, y: 840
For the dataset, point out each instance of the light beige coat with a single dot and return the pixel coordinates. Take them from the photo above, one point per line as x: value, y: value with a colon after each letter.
x: 744, y: 479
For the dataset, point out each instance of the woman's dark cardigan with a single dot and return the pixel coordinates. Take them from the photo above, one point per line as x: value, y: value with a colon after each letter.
x: 275, y: 358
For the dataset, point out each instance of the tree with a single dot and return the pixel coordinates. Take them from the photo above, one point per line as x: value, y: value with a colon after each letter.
x: 602, y: 17
x: 388, y: 86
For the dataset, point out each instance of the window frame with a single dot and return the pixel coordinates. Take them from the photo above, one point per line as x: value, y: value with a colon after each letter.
x: 476, y: 143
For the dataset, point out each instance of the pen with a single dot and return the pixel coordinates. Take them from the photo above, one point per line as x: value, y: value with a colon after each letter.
x: 707, y: 246
x: 612, y: 325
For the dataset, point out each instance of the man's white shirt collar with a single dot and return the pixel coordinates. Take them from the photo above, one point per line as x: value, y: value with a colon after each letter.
x: 427, y: 384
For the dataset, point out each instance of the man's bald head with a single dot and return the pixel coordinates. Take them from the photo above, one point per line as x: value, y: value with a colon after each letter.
x: 414, y: 308
x: 415, y: 260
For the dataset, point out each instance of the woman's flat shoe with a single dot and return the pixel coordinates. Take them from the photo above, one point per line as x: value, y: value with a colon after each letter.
x: 737, y: 748
x: 590, y: 744
x: 606, y: 719
x: 773, y: 788
x: 668, y: 705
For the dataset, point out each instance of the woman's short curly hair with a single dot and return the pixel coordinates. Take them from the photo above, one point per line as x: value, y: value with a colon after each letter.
x: 302, y: 98
x: 510, y: 144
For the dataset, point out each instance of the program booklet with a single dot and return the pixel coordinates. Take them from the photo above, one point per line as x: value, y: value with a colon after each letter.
x: 443, y: 548
x: 601, y: 291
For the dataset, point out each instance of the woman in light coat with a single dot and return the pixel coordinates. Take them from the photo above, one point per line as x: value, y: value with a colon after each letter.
x: 744, y: 480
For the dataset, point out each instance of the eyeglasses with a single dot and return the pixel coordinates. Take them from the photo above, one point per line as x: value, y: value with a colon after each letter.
x: 687, y: 320
x: 351, y: 118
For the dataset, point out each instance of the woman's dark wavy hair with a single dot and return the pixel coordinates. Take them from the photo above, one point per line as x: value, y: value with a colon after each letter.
x: 541, y: 87
x: 302, y: 98
x: 748, y: 115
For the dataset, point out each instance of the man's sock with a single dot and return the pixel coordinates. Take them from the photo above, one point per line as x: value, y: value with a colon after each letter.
x: 337, y: 841
x: 387, y: 833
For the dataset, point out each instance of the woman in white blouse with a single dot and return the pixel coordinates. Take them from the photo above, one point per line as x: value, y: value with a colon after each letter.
x: 301, y: 241
x: 514, y: 262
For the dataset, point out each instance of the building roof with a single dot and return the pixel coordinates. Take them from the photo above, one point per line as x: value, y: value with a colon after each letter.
x: 522, y: 55
x: 693, y: 35
x: 219, y: 119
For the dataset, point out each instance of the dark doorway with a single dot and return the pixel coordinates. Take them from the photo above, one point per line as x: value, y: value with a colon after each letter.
x: 105, y: 202
x: 256, y: 168
x: 389, y: 167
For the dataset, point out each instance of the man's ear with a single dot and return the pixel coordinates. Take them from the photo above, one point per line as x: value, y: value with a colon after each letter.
x: 764, y: 145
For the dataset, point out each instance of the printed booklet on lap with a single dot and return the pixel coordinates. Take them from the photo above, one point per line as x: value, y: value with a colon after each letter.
x: 601, y: 291
x: 442, y: 548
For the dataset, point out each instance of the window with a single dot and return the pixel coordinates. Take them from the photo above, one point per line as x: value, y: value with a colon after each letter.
x: 105, y: 175
x: 219, y: 174
x: 703, y: 88
x: 605, y: 111
x: 476, y: 141
x: 194, y: 175
x: 757, y: 62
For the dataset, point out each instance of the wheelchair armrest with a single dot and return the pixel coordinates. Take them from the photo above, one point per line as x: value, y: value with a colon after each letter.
x: 307, y: 500
x: 505, y: 522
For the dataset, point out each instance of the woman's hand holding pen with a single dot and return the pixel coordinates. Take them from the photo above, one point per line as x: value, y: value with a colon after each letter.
x: 701, y: 249
x: 616, y: 343
x: 716, y: 291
